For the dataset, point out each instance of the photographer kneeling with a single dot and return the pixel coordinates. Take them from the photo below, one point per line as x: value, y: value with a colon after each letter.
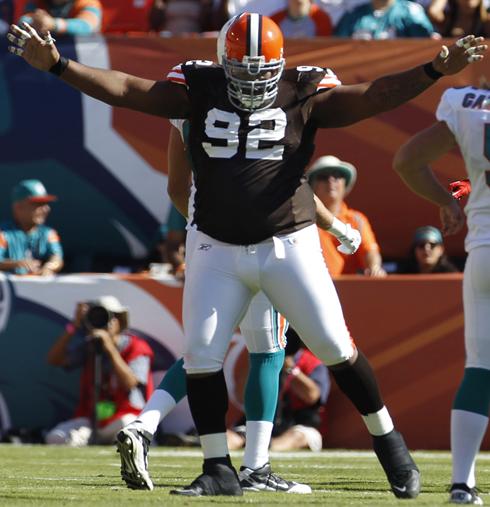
x: 116, y: 376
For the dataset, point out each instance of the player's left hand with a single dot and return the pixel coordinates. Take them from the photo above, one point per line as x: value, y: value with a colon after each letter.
x: 349, y: 241
x: 456, y: 57
x: 452, y: 218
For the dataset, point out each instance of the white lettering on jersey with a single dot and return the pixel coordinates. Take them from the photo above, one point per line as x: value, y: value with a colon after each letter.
x: 329, y: 80
x: 278, y: 119
x: 224, y: 125
x: 203, y: 63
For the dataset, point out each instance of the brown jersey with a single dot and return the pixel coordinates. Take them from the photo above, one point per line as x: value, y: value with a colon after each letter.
x: 249, y: 166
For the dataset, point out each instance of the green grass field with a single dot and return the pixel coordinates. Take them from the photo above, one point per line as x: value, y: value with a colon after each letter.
x: 43, y: 475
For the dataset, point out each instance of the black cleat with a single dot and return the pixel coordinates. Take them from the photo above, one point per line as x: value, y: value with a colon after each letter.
x: 218, y: 478
x: 263, y: 479
x: 405, y: 483
x: 400, y: 469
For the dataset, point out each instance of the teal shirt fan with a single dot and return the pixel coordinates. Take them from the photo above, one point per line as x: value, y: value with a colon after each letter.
x: 27, y: 244
x: 400, y: 18
x: 41, y: 243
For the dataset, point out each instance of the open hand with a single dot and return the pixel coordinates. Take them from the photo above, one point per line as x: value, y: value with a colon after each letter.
x: 36, y: 51
x: 456, y: 57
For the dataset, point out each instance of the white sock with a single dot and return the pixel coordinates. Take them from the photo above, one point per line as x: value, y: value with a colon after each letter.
x: 467, y: 431
x: 157, y: 407
x: 214, y: 445
x: 257, y: 442
x: 379, y: 423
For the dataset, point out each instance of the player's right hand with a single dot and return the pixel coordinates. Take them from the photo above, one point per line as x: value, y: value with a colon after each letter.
x: 39, y: 52
x: 460, y: 188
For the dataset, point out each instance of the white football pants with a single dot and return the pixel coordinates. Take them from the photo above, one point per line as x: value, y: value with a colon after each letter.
x: 263, y: 328
x: 476, y: 299
x: 223, y: 278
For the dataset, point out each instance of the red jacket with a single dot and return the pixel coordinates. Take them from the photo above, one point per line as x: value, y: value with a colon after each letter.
x: 111, y: 390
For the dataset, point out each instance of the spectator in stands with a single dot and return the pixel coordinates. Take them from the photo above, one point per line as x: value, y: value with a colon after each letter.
x: 337, y: 8
x: 6, y: 15
x: 427, y: 253
x: 64, y: 17
x: 180, y: 16
x: 332, y: 179
x: 305, y: 386
x: 264, y: 7
x: 27, y: 246
x: 98, y: 341
x: 455, y: 18
x: 385, y: 19
x: 303, y: 18
x: 168, y: 253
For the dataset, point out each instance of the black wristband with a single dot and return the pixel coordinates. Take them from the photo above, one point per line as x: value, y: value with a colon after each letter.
x: 431, y: 72
x: 60, y: 66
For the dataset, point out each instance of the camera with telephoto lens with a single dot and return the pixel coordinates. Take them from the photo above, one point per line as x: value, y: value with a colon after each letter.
x: 97, y: 317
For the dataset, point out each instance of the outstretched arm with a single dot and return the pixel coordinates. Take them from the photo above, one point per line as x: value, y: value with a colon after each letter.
x: 412, y: 161
x: 344, y: 105
x: 160, y: 98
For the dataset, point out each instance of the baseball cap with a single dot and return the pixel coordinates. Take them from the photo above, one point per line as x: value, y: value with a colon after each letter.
x: 327, y: 164
x: 110, y: 303
x: 33, y: 190
x: 427, y: 234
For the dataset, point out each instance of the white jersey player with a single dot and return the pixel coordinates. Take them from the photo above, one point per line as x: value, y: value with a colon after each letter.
x: 463, y: 118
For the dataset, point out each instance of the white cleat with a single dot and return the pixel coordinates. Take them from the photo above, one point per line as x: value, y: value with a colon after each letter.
x: 263, y: 479
x: 132, y: 447
x: 465, y: 496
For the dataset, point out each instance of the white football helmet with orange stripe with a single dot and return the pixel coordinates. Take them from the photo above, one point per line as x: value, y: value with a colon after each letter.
x: 250, y: 48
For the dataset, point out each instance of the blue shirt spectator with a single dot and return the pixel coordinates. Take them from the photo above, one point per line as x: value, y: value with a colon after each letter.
x: 386, y: 19
x: 27, y: 246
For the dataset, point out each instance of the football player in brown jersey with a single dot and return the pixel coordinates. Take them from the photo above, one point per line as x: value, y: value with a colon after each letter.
x: 252, y: 125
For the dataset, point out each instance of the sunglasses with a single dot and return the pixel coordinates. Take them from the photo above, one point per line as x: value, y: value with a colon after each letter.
x: 326, y: 176
x: 430, y: 243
